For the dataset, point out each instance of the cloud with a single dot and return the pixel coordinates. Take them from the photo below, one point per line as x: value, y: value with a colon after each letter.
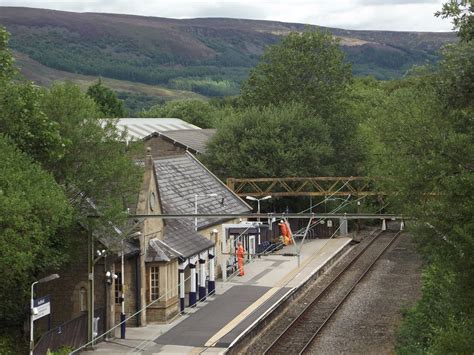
x: 231, y: 9
x: 395, y: 2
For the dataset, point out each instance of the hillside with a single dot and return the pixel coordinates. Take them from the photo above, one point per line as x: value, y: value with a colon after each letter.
x: 210, y: 56
x: 135, y: 95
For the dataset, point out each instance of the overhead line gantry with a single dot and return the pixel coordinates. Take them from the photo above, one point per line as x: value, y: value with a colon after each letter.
x: 304, y: 186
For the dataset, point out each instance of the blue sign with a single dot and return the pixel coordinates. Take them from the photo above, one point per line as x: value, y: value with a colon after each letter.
x: 42, y: 307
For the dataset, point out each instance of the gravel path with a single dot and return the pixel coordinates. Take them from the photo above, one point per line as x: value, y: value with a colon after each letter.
x: 367, y: 322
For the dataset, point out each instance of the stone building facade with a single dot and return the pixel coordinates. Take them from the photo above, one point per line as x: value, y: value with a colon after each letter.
x: 168, y: 264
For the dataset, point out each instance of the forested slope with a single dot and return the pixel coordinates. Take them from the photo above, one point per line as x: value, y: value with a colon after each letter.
x: 210, y: 56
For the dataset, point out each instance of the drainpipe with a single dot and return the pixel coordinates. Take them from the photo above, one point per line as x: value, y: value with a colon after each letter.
x: 137, y: 287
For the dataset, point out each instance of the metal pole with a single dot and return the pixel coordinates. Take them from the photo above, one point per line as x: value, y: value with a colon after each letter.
x: 358, y: 220
x: 32, y: 303
x: 258, y: 209
x: 90, y: 289
x: 195, y: 212
x: 122, y: 295
x: 302, y: 240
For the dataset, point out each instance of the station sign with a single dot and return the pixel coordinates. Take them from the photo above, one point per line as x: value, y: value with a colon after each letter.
x: 43, y: 307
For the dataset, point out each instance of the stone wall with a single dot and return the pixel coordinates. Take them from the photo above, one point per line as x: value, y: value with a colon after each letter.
x: 65, y: 292
x: 218, y: 247
x: 130, y: 289
x: 161, y: 147
x: 166, y: 307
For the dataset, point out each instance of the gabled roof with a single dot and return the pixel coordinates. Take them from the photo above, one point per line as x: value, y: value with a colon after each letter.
x: 180, y: 235
x: 139, y: 128
x: 193, y: 140
x: 181, y: 178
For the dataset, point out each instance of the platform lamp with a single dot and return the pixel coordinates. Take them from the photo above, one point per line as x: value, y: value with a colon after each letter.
x: 251, y: 198
x: 40, y: 281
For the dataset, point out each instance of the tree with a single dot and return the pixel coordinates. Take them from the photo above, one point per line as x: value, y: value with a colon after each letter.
x: 106, y: 99
x: 461, y: 12
x: 22, y: 120
x: 305, y: 67
x: 424, y: 142
x: 7, y: 69
x: 52, y: 141
x: 96, y: 159
x: 270, y: 141
x: 33, y: 212
x: 309, y: 67
x: 196, y: 112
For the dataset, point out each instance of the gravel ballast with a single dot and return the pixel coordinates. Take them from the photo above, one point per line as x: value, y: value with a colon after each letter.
x: 368, y: 320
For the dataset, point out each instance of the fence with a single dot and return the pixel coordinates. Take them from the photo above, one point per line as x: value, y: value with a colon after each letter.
x: 71, y: 334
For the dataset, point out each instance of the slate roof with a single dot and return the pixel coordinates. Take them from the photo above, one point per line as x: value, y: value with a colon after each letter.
x: 181, y: 177
x: 193, y: 140
x: 160, y: 251
x: 139, y: 128
x: 180, y: 235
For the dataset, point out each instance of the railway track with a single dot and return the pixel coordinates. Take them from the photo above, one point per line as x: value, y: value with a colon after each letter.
x: 300, y: 333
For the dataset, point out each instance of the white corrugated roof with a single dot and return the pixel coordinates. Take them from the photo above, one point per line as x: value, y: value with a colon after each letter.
x: 139, y: 128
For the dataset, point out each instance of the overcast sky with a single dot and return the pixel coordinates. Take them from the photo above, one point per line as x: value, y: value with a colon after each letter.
x: 401, y: 15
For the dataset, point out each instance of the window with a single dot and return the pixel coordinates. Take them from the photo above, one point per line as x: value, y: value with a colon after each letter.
x: 82, y: 299
x: 118, y: 287
x: 154, y: 283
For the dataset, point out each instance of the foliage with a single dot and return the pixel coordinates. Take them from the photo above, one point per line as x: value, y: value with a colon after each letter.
x: 7, y: 70
x: 106, y: 99
x: 51, y: 140
x: 10, y: 344
x: 95, y: 160
x: 424, y: 139
x: 212, y: 56
x: 33, y: 211
x: 196, y: 112
x: 206, y: 86
x: 461, y: 12
x: 23, y: 121
x: 307, y: 67
x: 310, y: 68
x: 135, y: 102
x: 65, y: 350
x: 438, y: 324
x: 270, y: 141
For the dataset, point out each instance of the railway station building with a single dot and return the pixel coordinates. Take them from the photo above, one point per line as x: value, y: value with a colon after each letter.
x: 159, y: 255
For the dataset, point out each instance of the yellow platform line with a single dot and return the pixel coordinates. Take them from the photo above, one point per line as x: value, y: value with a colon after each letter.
x: 231, y: 325
x: 291, y: 275
x: 283, y: 281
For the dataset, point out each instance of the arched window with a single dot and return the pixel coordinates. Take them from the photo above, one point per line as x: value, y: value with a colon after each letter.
x: 83, y: 299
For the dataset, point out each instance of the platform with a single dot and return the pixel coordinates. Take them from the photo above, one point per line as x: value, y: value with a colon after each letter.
x: 239, y: 303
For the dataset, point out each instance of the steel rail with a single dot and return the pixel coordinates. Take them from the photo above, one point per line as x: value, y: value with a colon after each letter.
x: 285, y: 332
x: 326, y: 321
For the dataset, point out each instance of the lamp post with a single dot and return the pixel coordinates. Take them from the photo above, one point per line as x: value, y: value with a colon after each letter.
x: 196, y: 207
x: 32, y: 303
x: 251, y: 198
